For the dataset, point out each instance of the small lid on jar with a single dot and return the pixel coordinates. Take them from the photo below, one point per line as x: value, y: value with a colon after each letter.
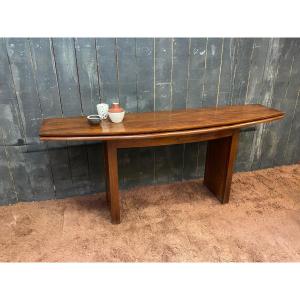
x: 115, y: 108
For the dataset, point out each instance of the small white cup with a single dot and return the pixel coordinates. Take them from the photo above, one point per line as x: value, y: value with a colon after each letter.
x: 102, y: 109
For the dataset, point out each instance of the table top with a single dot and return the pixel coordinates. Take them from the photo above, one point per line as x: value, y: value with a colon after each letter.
x: 159, y: 123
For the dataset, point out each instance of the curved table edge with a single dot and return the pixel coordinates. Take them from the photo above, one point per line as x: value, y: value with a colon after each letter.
x: 159, y: 134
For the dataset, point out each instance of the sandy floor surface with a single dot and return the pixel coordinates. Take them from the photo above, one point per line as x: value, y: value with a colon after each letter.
x: 180, y: 222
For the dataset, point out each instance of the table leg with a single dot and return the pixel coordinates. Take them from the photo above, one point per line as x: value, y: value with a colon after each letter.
x: 106, y: 175
x: 112, y: 182
x: 220, y: 158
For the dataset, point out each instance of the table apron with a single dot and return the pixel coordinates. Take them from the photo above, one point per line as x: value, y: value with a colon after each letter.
x: 172, y: 140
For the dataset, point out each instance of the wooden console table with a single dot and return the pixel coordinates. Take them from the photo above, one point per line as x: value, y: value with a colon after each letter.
x: 219, y: 126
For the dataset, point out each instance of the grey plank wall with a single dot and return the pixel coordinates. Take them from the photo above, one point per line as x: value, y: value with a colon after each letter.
x: 41, y: 78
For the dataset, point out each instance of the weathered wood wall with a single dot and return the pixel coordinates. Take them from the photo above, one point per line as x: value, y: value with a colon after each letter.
x: 41, y: 78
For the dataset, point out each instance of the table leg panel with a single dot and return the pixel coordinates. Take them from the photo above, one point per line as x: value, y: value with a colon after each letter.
x: 220, y: 158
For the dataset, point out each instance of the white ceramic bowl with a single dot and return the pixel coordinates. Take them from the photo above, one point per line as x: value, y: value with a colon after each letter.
x: 116, y: 117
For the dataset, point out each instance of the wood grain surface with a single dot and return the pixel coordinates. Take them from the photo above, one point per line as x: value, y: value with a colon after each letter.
x: 160, y: 122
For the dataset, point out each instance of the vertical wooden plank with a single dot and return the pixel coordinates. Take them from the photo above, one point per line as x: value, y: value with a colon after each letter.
x: 20, y: 172
x: 241, y: 72
x: 145, y: 74
x: 39, y: 169
x: 180, y: 68
x: 168, y: 163
x: 163, y: 73
x: 243, y: 57
x: 267, y: 89
x: 8, y: 194
x: 227, y: 71
x: 132, y: 168
x: 87, y: 65
x: 107, y: 67
x: 271, y: 131
x: 107, y: 58
x: 196, y: 72
x: 253, y: 95
x: 257, y: 66
x: 86, y: 59
x: 292, y: 152
x: 10, y: 120
x: 20, y: 58
x: 169, y: 159
x: 79, y: 164
x: 212, y: 71
x: 10, y: 131
x: 21, y: 67
x: 65, y: 61
x: 45, y: 76
x: 190, y: 163
x: 31, y: 172
x: 194, y: 154
x: 210, y: 79
x: 47, y: 86
x: 243, y: 157
x: 137, y: 166
x: 61, y: 170
x: 139, y: 162
x: 194, y: 160
x: 64, y: 54
x: 180, y: 72
x: 8, y: 136
x: 127, y: 70
x: 12, y: 134
x: 96, y: 167
x: 180, y: 60
x: 201, y: 159
x: 127, y: 65
x: 288, y: 103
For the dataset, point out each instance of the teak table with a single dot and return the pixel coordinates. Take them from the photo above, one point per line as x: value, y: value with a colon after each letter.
x: 219, y: 126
